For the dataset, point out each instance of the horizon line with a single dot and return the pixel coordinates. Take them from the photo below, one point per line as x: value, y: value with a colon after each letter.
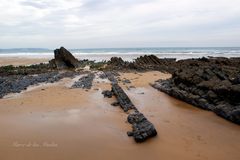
x: 115, y: 47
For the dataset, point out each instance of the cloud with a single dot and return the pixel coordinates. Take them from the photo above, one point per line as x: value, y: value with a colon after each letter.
x: 35, y: 4
x: 114, y: 23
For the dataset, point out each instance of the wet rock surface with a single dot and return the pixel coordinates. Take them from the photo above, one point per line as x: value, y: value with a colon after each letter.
x: 115, y: 104
x: 17, y: 83
x: 124, y: 101
x: 110, y: 75
x: 107, y: 93
x: 124, y: 81
x: 208, y: 83
x: 84, y: 82
x: 142, y: 128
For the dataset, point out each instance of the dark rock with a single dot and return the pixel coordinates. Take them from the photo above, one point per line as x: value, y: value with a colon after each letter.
x: 211, y: 84
x: 17, y: 83
x: 110, y: 75
x: 115, y: 104
x: 130, y: 134
x: 147, y: 62
x: 116, y: 61
x: 107, y: 93
x: 236, y: 80
x: 84, y: 82
x: 142, y: 128
x: 122, y: 97
x: 63, y: 59
x: 25, y: 70
x: 126, y: 81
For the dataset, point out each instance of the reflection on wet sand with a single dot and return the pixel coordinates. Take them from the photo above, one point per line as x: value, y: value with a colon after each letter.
x: 81, y: 124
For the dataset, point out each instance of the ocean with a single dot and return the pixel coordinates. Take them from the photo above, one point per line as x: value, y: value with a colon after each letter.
x: 128, y: 54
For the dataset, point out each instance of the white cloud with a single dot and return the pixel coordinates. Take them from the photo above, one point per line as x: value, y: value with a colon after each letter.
x: 114, y: 23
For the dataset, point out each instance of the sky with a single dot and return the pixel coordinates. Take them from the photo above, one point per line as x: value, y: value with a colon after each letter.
x: 119, y: 23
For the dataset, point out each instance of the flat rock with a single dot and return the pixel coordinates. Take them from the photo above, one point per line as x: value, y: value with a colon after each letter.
x: 84, y: 82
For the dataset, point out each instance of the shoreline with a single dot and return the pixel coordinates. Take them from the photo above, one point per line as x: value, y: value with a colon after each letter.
x: 18, y: 61
x: 93, y: 125
x: 33, y: 59
x: 49, y: 115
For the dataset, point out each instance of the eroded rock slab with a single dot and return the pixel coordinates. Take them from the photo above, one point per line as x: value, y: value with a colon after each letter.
x: 211, y: 84
x: 84, y: 82
x: 124, y: 101
x: 142, y: 128
x: 107, y: 93
x: 18, y: 83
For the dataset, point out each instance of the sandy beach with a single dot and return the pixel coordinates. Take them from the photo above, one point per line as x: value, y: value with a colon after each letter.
x: 119, y: 80
x: 17, y: 61
x: 52, y: 121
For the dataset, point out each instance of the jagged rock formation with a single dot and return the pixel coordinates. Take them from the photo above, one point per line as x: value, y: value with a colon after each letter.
x: 63, y: 59
x: 116, y: 61
x: 153, y: 60
x: 147, y: 62
x: 84, y: 82
x: 212, y: 84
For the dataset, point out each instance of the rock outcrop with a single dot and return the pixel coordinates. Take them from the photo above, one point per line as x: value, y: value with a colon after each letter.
x: 84, y: 82
x: 107, y: 93
x: 63, y: 59
x: 117, y: 61
x: 146, y: 62
x: 122, y: 98
x: 211, y: 84
x: 142, y: 128
x: 18, y: 83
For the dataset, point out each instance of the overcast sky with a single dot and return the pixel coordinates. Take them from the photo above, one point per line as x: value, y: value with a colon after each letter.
x: 119, y: 23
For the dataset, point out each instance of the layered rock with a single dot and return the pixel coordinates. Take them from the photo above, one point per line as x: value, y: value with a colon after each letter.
x: 146, y: 62
x: 17, y: 83
x: 212, y: 84
x: 142, y: 128
x: 107, y: 93
x: 117, y: 61
x: 122, y: 98
x: 63, y: 59
x: 84, y: 82
x: 25, y: 70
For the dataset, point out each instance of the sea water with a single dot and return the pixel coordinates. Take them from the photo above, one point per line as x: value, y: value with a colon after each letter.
x: 129, y: 54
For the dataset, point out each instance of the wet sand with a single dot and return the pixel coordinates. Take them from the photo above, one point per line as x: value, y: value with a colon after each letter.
x: 17, y: 61
x: 55, y: 122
